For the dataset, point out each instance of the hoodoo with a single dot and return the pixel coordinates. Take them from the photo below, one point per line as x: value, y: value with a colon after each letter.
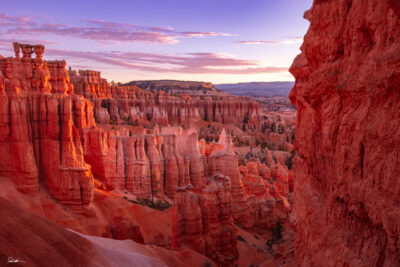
x: 92, y: 152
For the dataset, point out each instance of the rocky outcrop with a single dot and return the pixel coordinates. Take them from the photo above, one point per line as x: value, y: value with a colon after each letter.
x: 266, y: 203
x: 121, y: 230
x: 187, y: 225
x: 204, y: 221
x: 40, y: 125
x: 347, y: 135
x: 131, y: 106
x: 49, y: 133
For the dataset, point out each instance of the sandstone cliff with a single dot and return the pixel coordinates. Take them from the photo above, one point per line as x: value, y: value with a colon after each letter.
x: 347, y: 134
x: 40, y: 125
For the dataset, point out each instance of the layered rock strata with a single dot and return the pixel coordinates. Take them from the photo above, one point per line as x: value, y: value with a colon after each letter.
x: 48, y: 129
x: 347, y: 96
x: 40, y: 129
x: 131, y: 105
x: 204, y: 221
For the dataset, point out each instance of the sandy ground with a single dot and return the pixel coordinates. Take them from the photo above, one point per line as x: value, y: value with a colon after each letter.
x: 112, y: 252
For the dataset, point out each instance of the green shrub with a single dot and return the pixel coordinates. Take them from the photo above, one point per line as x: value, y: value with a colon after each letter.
x: 246, y: 118
x: 272, y: 128
x: 277, y: 230
x: 276, y: 234
x: 289, y: 163
x: 281, y: 129
x: 281, y: 147
x: 289, y: 160
x: 158, y: 205
x: 242, y: 162
x: 270, y: 243
x: 240, y: 238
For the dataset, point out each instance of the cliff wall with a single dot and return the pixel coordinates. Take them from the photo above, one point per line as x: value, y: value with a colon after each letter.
x: 347, y: 95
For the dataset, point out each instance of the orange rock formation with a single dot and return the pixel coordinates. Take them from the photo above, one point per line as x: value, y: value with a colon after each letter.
x: 55, y: 130
x: 348, y: 135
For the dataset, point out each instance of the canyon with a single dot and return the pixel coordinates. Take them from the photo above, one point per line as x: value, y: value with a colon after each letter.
x: 123, y: 163
x: 179, y: 173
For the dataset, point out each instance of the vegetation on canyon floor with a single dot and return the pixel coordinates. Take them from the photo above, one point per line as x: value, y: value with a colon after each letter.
x: 158, y: 204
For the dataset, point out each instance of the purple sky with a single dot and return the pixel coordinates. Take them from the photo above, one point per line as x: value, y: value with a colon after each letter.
x: 205, y: 40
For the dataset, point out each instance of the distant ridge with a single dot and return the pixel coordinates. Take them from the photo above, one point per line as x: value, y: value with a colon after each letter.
x: 179, y: 87
x: 257, y: 88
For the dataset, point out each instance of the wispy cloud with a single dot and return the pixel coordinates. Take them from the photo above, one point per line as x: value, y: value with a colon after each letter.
x: 7, y: 42
x: 37, y: 30
x: 190, y: 63
x: 97, y: 30
x: 293, y: 40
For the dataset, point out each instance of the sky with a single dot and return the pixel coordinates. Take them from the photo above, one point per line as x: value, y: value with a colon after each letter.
x: 219, y: 41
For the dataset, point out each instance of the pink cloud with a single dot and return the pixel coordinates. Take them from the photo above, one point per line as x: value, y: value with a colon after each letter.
x: 98, y: 30
x: 10, y: 21
x: 292, y: 40
x: 190, y: 63
x: 7, y: 42
x: 204, y: 34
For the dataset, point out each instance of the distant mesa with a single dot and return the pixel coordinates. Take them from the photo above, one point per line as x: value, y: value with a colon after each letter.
x: 175, y: 87
x: 257, y: 88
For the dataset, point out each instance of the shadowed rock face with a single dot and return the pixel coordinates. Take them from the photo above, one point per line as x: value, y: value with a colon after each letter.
x: 34, y: 240
x: 347, y: 95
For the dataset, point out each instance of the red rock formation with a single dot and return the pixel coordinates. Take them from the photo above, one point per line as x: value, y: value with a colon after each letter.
x: 35, y: 241
x: 122, y: 230
x: 174, y: 166
x: 89, y: 84
x: 218, y: 225
x: 48, y: 129
x: 282, y: 179
x: 347, y: 135
x: 40, y: 131
x: 265, y: 202
x: 67, y: 176
x: 256, y: 202
x: 129, y: 104
x: 204, y: 221
x: 187, y: 226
